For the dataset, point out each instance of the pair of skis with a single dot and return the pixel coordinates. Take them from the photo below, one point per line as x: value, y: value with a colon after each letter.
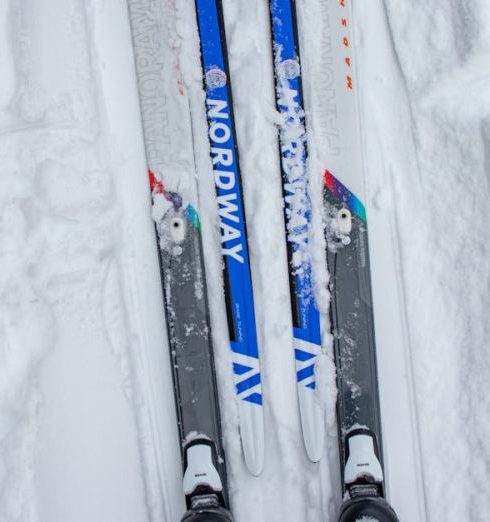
x: 183, y: 272
x: 351, y: 315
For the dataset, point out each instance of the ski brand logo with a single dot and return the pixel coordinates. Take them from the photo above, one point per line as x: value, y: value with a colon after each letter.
x: 292, y: 134
x: 293, y: 159
x: 225, y: 179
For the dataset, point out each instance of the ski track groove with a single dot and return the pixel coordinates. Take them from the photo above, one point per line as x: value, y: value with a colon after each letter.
x: 157, y: 490
x: 428, y: 116
x: 485, y: 134
x: 400, y: 270
x: 379, y: 87
x: 133, y: 357
x: 401, y: 282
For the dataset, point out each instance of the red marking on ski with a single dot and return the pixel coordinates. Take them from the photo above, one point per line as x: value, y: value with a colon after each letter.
x: 328, y: 180
x: 155, y: 185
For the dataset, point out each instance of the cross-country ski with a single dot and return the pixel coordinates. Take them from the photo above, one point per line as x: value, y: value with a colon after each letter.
x: 234, y: 244
x: 183, y: 276
x: 243, y: 261
x: 351, y: 308
x: 293, y: 150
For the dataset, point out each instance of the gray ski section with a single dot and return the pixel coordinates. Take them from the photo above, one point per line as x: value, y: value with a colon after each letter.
x: 181, y: 257
x: 189, y: 331
x: 352, y: 323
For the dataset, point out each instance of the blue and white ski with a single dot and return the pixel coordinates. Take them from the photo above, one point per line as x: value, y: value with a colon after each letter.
x: 237, y: 277
x: 293, y: 150
x: 351, y: 317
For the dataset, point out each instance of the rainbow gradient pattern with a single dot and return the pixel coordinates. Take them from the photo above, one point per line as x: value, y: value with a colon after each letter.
x: 344, y: 194
x: 158, y: 188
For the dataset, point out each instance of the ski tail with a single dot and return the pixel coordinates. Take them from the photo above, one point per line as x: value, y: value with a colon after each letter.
x: 293, y: 156
x: 237, y: 276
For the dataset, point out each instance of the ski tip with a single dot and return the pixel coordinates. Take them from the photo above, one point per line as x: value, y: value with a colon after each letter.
x: 254, y: 462
x: 314, y: 450
x: 252, y: 437
x: 314, y: 434
x: 367, y: 508
x: 312, y: 423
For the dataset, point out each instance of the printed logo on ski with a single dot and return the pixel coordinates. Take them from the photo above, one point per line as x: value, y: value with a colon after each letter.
x: 225, y: 179
x: 293, y: 159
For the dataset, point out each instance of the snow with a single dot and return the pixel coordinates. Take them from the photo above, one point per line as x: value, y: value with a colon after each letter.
x: 443, y: 212
x: 87, y: 421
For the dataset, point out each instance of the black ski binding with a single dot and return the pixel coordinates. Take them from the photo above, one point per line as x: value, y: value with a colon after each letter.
x: 367, y: 508
x: 364, y: 481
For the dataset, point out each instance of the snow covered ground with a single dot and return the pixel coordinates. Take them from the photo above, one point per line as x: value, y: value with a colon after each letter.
x: 87, y: 422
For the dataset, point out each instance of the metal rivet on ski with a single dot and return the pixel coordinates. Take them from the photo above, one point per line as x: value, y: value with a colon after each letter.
x: 177, y: 230
x: 344, y: 221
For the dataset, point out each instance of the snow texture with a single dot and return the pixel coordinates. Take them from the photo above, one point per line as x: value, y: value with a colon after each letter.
x: 87, y: 420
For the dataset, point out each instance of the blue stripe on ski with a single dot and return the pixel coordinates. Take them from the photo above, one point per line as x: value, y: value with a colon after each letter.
x: 247, y: 384
x: 303, y: 374
x: 255, y: 398
x: 301, y: 355
x: 240, y: 369
x: 295, y: 179
x: 229, y: 192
